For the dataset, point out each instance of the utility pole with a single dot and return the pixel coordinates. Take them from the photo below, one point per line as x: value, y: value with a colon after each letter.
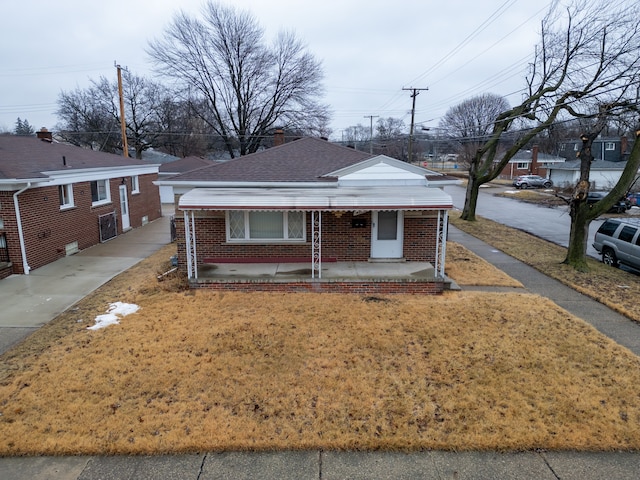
x: 414, y: 94
x: 123, y: 124
x: 371, y: 117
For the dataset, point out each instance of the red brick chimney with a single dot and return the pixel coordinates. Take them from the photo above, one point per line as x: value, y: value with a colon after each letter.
x: 278, y: 137
x: 534, y: 160
x: 44, y: 134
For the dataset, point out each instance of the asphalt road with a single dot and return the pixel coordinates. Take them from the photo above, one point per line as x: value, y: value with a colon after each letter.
x: 550, y: 223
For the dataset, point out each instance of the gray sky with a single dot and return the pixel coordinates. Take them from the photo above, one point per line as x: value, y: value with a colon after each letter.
x: 370, y: 50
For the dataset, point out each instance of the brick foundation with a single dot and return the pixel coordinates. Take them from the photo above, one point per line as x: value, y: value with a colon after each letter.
x: 365, y: 287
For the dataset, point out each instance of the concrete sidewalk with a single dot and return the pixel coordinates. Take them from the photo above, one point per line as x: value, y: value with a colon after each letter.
x: 362, y: 465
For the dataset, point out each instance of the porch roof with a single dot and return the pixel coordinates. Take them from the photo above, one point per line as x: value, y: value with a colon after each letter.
x: 338, y: 198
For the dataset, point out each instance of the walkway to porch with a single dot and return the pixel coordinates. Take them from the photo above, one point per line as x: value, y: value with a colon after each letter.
x: 354, y: 277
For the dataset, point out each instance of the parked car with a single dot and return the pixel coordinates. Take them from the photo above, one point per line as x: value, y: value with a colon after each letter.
x: 634, y: 199
x: 534, y: 181
x: 618, y: 241
x: 620, y: 206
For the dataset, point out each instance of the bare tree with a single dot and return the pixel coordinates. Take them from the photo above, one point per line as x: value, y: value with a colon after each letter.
x: 247, y: 88
x: 469, y: 123
x: 88, y: 120
x: 91, y: 117
x: 391, y: 137
x: 586, y: 65
x: 356, y: 136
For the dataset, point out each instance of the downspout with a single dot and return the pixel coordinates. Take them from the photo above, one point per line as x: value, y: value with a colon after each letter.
x: 23, y: 249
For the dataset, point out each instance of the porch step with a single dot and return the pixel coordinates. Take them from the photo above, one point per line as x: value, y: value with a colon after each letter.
x: 387, y: 260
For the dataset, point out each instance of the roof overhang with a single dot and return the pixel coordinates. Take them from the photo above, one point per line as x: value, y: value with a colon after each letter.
x: 340, y: 198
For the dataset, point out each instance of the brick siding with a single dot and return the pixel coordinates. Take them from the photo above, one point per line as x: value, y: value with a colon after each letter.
x: 382, y: 287
x: 47, y: 229
x: 340, y: 240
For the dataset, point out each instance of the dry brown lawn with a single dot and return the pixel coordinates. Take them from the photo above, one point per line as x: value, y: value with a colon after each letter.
x: 202, y: 371
x: 616, y: 288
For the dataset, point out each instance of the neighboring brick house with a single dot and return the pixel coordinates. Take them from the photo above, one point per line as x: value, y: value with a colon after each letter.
x: 313, y: 201
x: 57, y: 199
x: 530, y: 162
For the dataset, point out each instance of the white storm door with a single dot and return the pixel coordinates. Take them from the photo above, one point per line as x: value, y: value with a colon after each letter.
x: 387, y: 234
x: 124, y: 208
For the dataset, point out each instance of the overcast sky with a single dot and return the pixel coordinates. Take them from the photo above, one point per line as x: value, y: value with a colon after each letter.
x: 370, y: 50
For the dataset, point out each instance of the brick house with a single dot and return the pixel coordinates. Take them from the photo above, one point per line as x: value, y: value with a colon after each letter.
x: 315, y: 203
x: 530, y: 162
x: 57, y: 199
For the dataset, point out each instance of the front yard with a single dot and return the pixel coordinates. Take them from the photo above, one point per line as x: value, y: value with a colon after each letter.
x: 201, y: 371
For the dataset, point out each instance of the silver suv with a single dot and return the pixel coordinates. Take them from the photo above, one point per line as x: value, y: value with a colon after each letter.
x: 619, y: 242
x: 536, y: 181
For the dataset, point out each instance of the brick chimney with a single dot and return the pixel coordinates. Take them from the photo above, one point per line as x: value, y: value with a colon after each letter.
x: 534, y: 160
x: 278, y: 137
x: 44, y: 134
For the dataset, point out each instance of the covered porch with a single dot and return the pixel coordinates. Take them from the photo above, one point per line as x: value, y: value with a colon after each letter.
x: 336, y: 277
x: 421, y: 216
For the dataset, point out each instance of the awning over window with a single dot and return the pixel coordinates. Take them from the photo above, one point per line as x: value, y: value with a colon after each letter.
x: 337, y: 198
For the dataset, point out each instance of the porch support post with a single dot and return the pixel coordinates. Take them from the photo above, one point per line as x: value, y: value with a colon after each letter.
x: 441, y: 242
x: 316, y: 244
x: 190, y: 241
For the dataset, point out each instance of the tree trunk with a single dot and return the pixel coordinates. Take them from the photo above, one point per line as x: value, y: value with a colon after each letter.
x: 578, y: 236
x: 471, y: 199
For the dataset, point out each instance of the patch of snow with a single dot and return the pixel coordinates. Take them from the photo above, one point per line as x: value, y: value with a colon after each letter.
x: 116, y: 311
x: 513, y: 192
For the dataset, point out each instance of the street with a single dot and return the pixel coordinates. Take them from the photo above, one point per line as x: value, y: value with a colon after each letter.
x: 552, y: 224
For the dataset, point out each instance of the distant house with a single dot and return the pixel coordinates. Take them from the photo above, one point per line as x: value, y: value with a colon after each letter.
x: 313, y: 202
x: 603, y: 175
x: 608, y: 149
x: 177, y: 167
x: 530, y: 162
x: 57, y: 199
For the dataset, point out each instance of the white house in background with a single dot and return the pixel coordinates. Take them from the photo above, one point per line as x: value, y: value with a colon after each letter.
x: 603, y: 175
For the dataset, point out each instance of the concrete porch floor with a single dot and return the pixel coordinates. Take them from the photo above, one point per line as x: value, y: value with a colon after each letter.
x: 301, y: 272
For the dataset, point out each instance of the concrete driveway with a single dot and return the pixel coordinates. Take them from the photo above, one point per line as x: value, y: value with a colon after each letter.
x: 30, y: 301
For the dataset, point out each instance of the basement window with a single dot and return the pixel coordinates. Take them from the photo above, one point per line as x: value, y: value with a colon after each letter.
x: 265, y: 227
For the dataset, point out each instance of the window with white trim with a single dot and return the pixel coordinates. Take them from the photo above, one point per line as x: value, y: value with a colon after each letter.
x: 522, y: 165
x: 65, y: 195
x: 100, y: 192
x: 135, y: 184
x: 266, y: 226
x: 610, y: 146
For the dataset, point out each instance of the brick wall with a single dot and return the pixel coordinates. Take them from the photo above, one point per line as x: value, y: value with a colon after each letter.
x: 340, y: 240
x: 367, y: 288
x: 47, y: 229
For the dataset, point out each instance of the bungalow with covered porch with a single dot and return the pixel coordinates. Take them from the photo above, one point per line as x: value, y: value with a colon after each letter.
x: 310, y: 215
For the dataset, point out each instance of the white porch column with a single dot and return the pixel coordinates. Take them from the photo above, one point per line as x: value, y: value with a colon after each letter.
x: 190, y: 244
x: 441, y: 242
x: 316, y: 244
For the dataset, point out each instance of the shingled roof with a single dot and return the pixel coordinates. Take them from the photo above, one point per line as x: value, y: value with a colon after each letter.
x: 185, y: 164
x: 303, y: 160
x: 23, y: 158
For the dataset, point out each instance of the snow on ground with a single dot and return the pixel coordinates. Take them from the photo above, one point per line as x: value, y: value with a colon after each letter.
x: 116, y: 311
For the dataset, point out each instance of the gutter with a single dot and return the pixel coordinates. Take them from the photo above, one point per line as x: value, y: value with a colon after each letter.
x: 23, y: 249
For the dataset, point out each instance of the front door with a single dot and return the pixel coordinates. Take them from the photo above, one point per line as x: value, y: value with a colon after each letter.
x: 387, y: 234
x: 124, y: 208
